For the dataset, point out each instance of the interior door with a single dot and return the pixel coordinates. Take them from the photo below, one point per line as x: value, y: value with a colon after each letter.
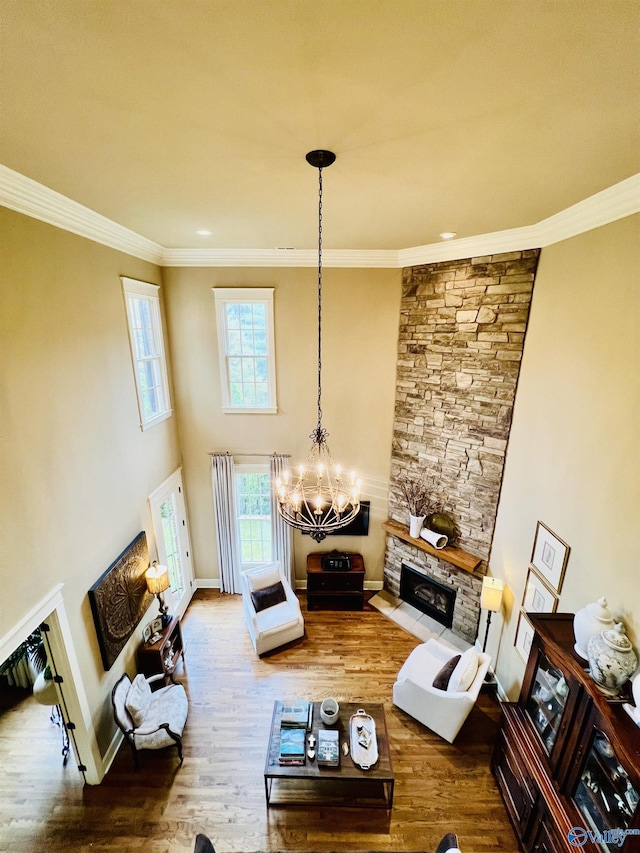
x: 171, y: 531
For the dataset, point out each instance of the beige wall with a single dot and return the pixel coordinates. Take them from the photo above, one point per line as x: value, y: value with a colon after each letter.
x: 360, y: 333
x: 573, y: 459
x: 76, y: 468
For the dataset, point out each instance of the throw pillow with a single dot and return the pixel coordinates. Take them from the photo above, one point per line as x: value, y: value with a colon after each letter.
x: 441, y: 681
x: 263, y: 577
x: 465, y: 671
x: 267, y: 597
x: 138, y: 700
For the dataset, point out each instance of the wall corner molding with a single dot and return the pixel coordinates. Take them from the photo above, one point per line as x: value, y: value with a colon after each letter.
x: 26, y: 196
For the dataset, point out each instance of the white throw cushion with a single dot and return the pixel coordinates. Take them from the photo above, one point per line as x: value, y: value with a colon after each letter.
x: 138, y: 700
x: 263, y: 577
x: 465, y: 671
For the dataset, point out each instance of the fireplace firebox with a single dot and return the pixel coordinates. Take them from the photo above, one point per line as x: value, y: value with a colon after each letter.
x: 428, y: 595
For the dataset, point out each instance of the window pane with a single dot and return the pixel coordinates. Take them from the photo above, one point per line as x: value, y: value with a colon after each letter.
x: 260, y: 343
x: 254, y: 517
x: 261, y: 369
x: 235, y: 369
x: 233, y: 316
x: 259, y: 316
x: 249, y: 396
x: 248, y: 372
x: 233, y: 343
x: 247, y: 343
x: 237, y: 398
x: 246, y: 316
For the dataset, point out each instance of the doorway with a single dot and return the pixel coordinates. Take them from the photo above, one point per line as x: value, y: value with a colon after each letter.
x: 171, y: 532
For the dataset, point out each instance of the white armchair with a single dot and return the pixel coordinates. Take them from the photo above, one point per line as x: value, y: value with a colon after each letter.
x: 150, y: 720
x: 271, y: 608
x: 442, y: 710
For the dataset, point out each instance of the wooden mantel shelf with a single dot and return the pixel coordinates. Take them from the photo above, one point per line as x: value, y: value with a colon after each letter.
x: 450, y: 554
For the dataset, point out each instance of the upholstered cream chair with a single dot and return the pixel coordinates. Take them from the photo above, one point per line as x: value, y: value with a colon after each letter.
x: 271, y: 608
x: 443, y: 708
x: 150, y: 720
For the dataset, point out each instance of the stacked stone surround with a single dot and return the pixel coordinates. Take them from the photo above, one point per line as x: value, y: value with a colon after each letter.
x: 462, y: 330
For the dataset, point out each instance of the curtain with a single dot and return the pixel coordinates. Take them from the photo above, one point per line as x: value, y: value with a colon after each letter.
x: 281, y: 533
x: 224, y: 500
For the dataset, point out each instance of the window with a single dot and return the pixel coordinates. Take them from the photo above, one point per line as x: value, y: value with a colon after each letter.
x: 253, y: 496
x: 246, y: 348
x: 147, y: 351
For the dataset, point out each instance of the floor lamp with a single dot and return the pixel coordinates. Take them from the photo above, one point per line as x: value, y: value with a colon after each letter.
x: 491, y: 601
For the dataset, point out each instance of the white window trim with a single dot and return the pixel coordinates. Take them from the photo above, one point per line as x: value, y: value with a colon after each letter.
x: 249, y: 468
x: 150, y: 291
x: 264, y: 295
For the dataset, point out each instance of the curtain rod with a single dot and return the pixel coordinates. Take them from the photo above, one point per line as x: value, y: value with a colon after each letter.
x: 238, y: 453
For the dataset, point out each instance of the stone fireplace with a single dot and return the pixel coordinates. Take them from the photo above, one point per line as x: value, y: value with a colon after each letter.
x: 429, y: 596
x: 462, y: 330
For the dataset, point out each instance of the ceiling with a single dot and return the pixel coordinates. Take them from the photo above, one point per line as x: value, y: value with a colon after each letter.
x: 169, y: 116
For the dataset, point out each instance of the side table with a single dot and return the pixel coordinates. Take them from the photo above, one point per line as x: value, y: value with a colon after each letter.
x: 331, y: 590
x: 162, y: 656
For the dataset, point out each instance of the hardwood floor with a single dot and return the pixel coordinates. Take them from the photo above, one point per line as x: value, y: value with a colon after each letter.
x: 219, y: 790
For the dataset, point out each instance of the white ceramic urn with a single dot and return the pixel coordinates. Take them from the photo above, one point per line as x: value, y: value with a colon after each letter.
x: 611, y: 659
x: 589, y: 622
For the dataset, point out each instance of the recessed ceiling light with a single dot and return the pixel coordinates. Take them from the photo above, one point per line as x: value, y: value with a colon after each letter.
x: 448, y: 235
x: 203, y: 233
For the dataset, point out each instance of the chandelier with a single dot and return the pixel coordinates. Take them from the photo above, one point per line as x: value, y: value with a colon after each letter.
x: 320, y: 498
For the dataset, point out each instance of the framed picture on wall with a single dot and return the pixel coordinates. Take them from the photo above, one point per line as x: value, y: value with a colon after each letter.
x: 549, y: 557
x: 537, y: 597
x: 524, y: 636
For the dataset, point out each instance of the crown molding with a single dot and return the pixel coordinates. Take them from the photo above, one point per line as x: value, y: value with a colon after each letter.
x: 39, y: 202
x: 358, y: 258
x: 33, y: 199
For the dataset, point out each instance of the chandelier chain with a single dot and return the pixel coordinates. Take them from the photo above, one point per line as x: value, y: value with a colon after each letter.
x: 319, y: 428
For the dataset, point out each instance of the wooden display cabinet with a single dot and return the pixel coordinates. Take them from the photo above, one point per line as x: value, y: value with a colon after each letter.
x: 162, y: 656
x: 335, y: 590
x: 567, y: 758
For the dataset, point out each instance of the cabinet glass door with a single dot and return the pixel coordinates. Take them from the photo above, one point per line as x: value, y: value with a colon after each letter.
x: 547, y: 700
x: 604, y: 793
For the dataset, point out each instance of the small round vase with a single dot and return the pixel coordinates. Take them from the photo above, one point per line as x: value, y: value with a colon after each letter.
x: 589, y: 622
x: 415, y: 525
x: 611, y: 659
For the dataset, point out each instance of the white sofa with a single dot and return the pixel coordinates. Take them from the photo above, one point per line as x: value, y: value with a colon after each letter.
x: 443, y: 711
x: 277, y: 623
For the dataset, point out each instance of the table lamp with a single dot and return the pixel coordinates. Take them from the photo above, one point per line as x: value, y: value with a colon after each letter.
x: 490, y: 600
x: 157, y: 578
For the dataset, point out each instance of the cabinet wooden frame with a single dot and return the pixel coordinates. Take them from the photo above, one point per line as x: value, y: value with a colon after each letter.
x: 540, y: 786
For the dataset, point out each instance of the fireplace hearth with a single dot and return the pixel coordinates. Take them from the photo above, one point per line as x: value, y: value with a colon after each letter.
x: 427, y: 595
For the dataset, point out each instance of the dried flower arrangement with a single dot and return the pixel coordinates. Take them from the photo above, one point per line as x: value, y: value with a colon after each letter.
x: 416, y: 495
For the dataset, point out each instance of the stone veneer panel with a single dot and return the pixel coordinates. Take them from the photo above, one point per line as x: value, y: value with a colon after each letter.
x: 462, y: 329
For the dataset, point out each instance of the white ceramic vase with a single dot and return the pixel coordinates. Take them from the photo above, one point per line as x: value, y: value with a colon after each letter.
x: 589, y: 622
x: 611, y: 659
x: 438, y: 540
x: 415, y: 525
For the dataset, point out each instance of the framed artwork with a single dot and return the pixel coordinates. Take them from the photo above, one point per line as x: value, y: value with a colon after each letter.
x: 524, y: 636
x: 119, y: 599
x: 549, y: 557
x: 537, y: 597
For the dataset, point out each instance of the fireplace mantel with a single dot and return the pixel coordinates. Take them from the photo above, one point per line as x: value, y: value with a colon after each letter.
x: 450, y: 554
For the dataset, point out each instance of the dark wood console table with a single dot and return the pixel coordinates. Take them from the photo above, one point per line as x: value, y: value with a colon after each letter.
x: 330, y: 590
x: 162, y: 656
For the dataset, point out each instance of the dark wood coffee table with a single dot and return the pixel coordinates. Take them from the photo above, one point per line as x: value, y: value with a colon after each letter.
x: 346, y: 785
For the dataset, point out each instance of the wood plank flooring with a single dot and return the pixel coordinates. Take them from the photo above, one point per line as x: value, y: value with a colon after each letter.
x: 219, y: 789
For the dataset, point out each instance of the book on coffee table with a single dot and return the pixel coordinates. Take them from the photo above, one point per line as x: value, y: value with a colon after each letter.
x: 292, y: 745
x: 297, y: 715
x: 328, y: 748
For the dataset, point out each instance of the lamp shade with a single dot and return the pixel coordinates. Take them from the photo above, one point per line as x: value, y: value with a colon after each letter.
x: 491, y: 596
x: 157, y: 578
